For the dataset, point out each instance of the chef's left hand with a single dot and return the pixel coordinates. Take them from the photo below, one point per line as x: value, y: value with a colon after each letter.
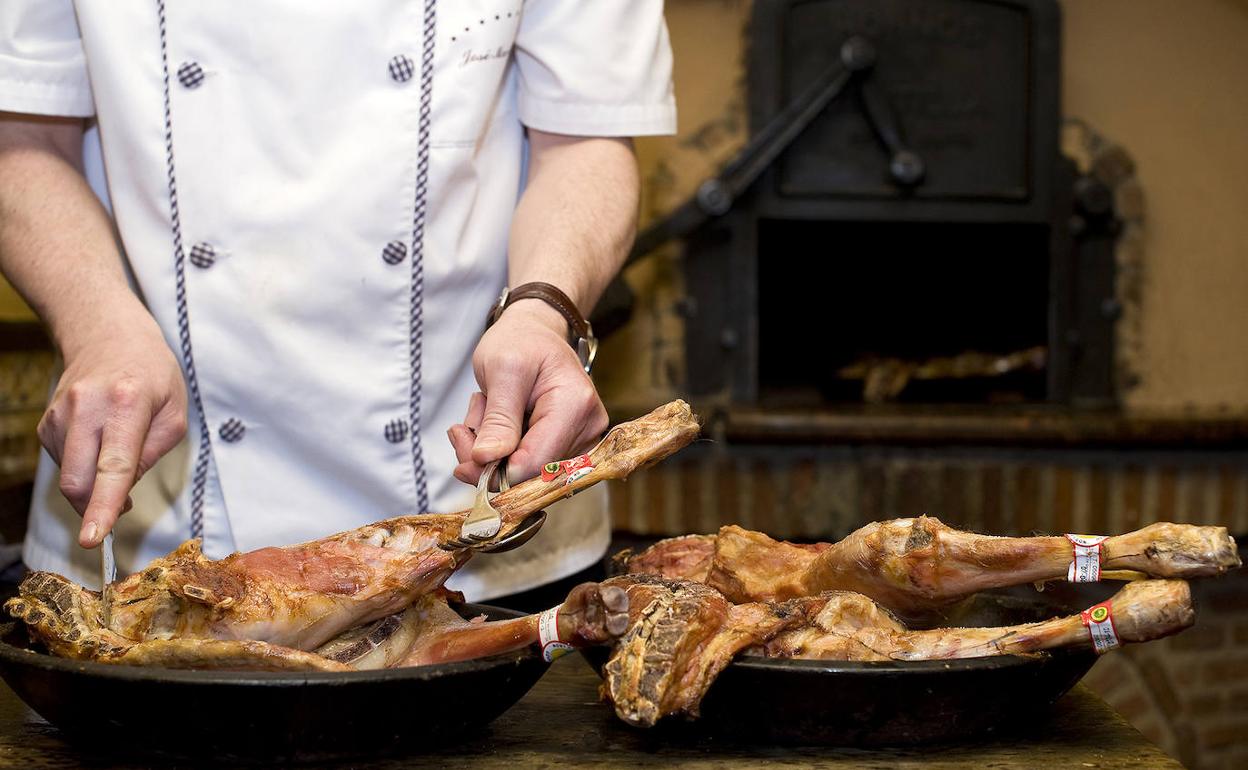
x: 525, y: 366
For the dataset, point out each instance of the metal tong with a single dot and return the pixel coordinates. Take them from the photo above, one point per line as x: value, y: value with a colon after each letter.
x: 484, y: 521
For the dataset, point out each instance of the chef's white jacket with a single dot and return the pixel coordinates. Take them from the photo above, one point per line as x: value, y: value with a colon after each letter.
x: 314, y: 198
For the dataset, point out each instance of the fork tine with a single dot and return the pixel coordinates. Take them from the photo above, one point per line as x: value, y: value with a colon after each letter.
x: 484, y: 521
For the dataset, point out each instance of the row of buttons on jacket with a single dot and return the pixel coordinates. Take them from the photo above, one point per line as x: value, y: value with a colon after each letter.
x: 203, y: 255
x: 232, y: 430
x: 192, y: 75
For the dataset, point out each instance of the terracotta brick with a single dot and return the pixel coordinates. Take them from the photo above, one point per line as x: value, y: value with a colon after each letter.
x: 1184, y: 745
x: 1166, y: 483
x: 1187, y: 670
x: 1233, y: 760
x: 1222, y: 734
x: 1135, y: 707
x: 992, y: 482
x: 1153, y: 731
x: 1228, y: 669
x: 1098, y: 500
x: 1229, y: 597
x: 1206, y: 635
x: 1237, y: 700
x: 1159, y: 684
x: 1205, y: 704
x: 1105, y: 680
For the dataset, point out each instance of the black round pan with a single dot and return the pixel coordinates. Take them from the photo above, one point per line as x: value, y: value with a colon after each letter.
x: 834, y: 703
x: 270, y: 716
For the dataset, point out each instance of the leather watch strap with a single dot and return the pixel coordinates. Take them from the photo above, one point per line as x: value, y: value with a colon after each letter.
x: 584, y: 342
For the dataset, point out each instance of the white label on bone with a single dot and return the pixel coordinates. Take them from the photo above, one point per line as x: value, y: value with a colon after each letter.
x: 578, y: 474
x: 1085, y: 565
x: 1100, y: 622
x: 548, y: 635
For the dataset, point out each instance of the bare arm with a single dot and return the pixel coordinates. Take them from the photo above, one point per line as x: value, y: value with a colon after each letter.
x: 121, y: 402
x: 572, y: 228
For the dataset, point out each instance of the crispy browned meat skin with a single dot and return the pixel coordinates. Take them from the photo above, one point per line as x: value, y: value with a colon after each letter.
x: 685, y: 558
x: 427, y: 632
x: 847, y: 626
x: 302, y: 596
x: 237, y: 655
x: 683, y: 633
x: 916, y: 566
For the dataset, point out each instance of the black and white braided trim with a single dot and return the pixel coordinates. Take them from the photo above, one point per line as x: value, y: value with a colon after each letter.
x: 199, y: 475
x: 418, y: 247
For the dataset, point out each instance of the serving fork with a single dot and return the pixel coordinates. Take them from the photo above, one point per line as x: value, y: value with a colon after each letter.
x: 484, y: 522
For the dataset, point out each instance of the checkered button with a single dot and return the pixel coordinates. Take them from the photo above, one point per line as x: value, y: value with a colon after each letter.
x: 402, y: 69
x: 394, y: 252
x: 203, y: 255
x: 396, y: 431
x: 232, y: 430
x: 190, y: 74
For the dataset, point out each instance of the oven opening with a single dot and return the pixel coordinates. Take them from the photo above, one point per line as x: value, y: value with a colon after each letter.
x: 929, y: 313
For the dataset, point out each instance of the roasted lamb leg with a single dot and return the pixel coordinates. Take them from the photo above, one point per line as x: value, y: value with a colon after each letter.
x: 915, y: 567
x: 430, y: 631
x: 302, y: 596
x: 843, y: 625
x: 682, y: 634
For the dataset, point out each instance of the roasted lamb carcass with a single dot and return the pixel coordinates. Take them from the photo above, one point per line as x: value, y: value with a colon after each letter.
x: 429, y: 631
x: 682, y: 634
x: 302, y: 596
x: 916, y: 567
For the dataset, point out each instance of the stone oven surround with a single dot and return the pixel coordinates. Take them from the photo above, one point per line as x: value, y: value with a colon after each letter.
x: 834, y: 260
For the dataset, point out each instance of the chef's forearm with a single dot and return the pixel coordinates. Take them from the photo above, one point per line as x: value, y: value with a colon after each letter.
x: 57, y: 245
x: 577, y: 218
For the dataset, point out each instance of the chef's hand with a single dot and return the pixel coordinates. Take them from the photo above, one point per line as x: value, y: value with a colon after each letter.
x: 525, y: 366
x: 120, y: 406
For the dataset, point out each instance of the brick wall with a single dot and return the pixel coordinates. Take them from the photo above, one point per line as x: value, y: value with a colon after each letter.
x: 820, y: 492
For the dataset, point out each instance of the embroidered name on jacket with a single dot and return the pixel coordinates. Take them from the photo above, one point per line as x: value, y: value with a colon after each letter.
x: 475, y: 57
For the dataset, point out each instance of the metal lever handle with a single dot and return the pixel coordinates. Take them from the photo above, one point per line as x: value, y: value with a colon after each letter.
x: 716, y: 195
x: 904, y: 164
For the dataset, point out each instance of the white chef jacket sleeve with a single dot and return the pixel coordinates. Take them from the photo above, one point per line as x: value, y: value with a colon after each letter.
x: 43, y: 70
x: 595, y: 68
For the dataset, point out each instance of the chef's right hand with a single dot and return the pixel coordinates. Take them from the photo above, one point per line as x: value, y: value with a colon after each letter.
x: 119, y: 407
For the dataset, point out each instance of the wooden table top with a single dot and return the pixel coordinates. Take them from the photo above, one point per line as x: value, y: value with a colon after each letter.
x: 560, y: 723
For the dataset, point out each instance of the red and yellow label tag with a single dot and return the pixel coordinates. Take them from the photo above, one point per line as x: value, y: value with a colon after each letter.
x: 575, y: 468
x: 1099, y: 620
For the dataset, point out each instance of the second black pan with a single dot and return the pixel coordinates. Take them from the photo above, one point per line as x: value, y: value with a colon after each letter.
x: 759, y: 700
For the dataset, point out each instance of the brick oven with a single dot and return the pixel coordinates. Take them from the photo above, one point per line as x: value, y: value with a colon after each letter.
x: 914, y: 241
